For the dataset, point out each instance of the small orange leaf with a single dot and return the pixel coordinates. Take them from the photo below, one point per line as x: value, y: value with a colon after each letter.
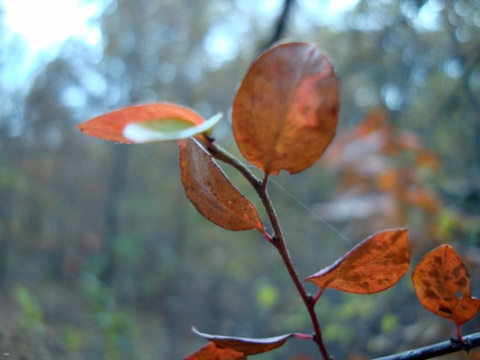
x: 427, y: 159
x: 376, y: 120
x: 389, y: 179
x: 111, y: 126
x: 213, y: 352
x: 442, y: 285
x: 246, y: 346
x: 286, y: 111
x: 374, y: 265
x: 212, y: 193
x: 423, y: 198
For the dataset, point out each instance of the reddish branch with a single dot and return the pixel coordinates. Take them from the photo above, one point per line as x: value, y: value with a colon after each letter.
x: 278, y: 239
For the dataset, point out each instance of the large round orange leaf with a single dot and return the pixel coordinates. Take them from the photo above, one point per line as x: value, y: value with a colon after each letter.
x: 442, y: 285
x: 374, y: 265
x: 212, y: 193
x: 111, y: 126
x: 285, y: 112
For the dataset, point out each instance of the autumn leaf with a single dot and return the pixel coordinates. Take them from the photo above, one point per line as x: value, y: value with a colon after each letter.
x: 168, y: 129
x: 151, y: 122
x: 212, y: 193
x: 247, y: 346
x: 213, y: 352
x: 285, y: 112
x: 374, y: 265
x: 442, y: 285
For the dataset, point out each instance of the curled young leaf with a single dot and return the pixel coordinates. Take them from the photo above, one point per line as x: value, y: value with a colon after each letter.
x: 247, y: 346
x: 212, y: 352
x: 285, y: 112
x: 374, y: 265
x: 161, y: 118
x: 167, y: 129
x: 212, y: 193
x: 442, y: 285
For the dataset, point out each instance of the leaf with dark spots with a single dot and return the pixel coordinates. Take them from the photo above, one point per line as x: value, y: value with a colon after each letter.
x: 285, y: 112
x: 374, y: 265
x: 212, y: 352
x: 247, y: 346
x: 442, y: 285
x: 212, y: 193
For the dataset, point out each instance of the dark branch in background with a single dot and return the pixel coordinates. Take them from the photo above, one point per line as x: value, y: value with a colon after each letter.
x: 280, y: 27
x: 443, y: 348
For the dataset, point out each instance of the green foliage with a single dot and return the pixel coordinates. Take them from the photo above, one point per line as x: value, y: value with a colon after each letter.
x: 267, y: 295
x: 30, y: 315
x: 389, y: 323
x: 118, y: 329
x: 73, y: 339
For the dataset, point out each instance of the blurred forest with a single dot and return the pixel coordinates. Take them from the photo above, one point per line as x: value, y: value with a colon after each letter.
x: 103, y: 257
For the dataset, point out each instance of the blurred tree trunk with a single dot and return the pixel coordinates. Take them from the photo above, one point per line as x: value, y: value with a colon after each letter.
x: 134, y: 20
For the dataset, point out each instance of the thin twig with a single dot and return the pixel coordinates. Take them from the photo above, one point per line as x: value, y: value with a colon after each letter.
x: 280, y: 26
x: 443, y: 348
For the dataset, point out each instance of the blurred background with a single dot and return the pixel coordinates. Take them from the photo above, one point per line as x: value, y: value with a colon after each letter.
x: 103, y: 257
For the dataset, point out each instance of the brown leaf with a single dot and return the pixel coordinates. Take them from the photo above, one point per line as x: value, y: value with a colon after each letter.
x: 442, y: 285
x: 111, y: 126
x: 375, y: 264
x: 213, y: 352
x: 286, y: 111
x: 212, y: 193
x: 246, y: 346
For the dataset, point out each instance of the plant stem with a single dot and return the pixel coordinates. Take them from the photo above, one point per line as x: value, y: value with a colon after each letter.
x: 278, y: 239
x: 433, y: 351
x: 287, y: 260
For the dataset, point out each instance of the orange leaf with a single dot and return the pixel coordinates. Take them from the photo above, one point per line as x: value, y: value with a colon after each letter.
x: 389, y: 179
x: 423, y: 198
x: 427, y: 159
x: 111, y: 126
x: 286, y: 111
x: 213, y: 352
x: 212, y: 193
x: 374, y: 265
x: 442, y: 285
x: 376, y: 120
x: 246, y: 346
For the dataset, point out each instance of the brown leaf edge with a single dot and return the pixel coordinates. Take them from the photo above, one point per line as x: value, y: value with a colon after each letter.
x: 212, y: 352
x: 361, y: 273
x: 212, y: 193
x: 247, y: 346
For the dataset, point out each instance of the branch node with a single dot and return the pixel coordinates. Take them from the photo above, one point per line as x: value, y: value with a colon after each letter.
x: 458, y: 342
x: 274, y: 240
x: 310, y: 298
x: 462, y: 344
